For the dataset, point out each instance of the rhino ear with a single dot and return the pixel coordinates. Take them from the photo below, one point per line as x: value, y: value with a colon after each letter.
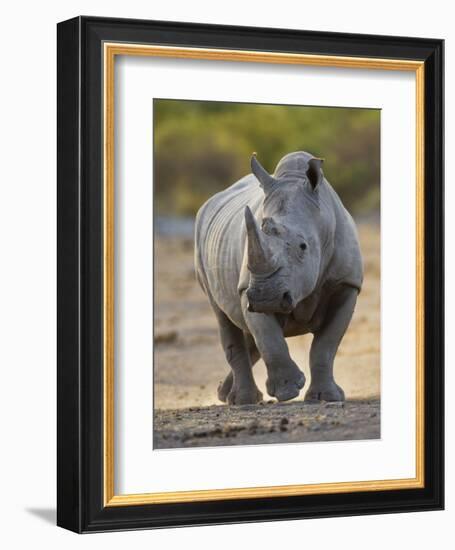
x: 267, y: 181
x: 314, y: 172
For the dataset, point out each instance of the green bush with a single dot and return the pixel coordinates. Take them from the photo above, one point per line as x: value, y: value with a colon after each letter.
x: 203, y: 147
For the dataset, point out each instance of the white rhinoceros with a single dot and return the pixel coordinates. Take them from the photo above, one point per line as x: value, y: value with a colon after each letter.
x: 279, y: 256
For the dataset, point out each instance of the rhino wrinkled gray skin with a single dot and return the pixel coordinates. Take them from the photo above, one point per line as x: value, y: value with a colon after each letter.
x: 279, y: 256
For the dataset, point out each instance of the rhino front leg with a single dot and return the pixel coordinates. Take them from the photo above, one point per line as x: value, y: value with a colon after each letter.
x: 239, y: 388
x: 325, y: 345
x: 285, y: 379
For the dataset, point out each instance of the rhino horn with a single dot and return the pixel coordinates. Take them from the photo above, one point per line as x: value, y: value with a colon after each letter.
x: 260, y: 259
x: 267, y: 181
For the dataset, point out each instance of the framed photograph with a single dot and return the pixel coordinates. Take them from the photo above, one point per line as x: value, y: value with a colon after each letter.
x: 250, y: 274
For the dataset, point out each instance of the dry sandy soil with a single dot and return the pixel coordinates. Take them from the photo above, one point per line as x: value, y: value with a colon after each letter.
x: 189, y: 365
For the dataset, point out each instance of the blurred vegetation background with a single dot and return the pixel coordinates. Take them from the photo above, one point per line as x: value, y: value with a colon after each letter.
x: 202, y: 147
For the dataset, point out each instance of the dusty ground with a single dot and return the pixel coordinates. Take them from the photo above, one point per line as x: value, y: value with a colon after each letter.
x: 189, y: 364
x: 267, y: 423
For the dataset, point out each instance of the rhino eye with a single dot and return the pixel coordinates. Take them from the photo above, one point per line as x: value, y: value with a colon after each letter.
x: 303, y: 246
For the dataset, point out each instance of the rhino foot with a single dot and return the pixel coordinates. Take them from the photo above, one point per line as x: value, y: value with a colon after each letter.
x: 327, y: 392
x: 287, y: 386
x: 225, y: 387
x: 248, y: 396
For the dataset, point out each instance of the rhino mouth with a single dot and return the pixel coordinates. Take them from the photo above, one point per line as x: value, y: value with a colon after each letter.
x: 258, y: 303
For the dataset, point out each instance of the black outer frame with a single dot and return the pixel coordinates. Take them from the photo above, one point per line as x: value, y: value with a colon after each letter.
x: 80, y: 505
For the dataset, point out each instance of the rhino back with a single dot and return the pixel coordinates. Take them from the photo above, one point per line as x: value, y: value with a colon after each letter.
x: 220, y: 242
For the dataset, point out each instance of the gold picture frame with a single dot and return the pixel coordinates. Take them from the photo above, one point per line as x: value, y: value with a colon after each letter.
x: 110, y: 52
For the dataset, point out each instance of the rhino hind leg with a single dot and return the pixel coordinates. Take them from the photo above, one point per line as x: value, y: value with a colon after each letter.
x: 243, y: 389
x: 325, y: 345
x: 225, y: 387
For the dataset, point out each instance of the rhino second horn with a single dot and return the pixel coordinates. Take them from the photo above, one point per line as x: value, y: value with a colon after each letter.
x: 259, y: 256
x: 267, y: 181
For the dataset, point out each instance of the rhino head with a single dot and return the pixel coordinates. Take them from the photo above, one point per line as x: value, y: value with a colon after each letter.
x: 285, y: 249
